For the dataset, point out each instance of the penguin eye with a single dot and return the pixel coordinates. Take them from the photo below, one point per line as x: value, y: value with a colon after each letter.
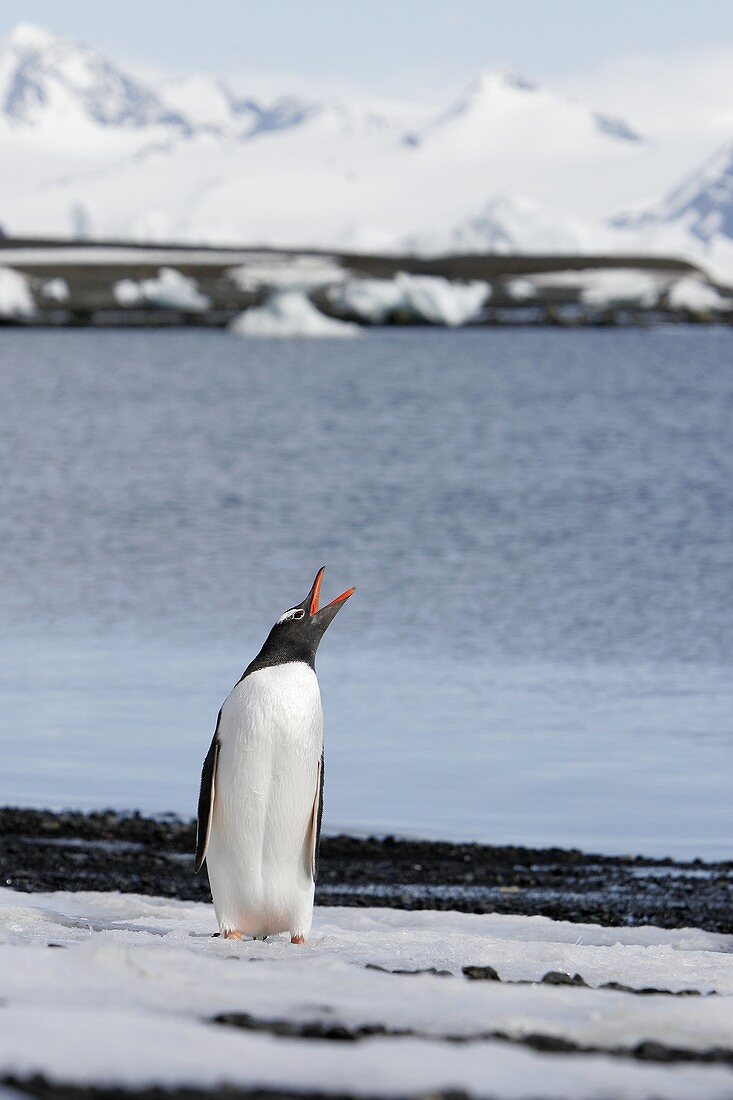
x: 293, y: 613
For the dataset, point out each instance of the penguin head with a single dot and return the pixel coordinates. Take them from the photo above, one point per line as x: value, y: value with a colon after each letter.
x: 297, y: 633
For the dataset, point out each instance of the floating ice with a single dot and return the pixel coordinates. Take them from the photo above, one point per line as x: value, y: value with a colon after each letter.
x: 168, y: 290
x: 289, y: 312
x: 172, y: 290
x: 693, y: 293
x: 427, y: 298
x: 128, y: 293
x: 520, y: 289
x: 372, y: 300
x: 16, y: 299
x: 622, y: 287
x: 442, y: 302
x: 57, y: 290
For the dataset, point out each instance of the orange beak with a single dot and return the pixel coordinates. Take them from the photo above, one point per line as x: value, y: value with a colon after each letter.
x: 316, y: 592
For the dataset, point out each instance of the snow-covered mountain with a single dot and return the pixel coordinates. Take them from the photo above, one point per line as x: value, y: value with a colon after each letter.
x: 206, y: 101
x: 695, y: 218
x: 501, y: 102
x: 46, y: 80
x: 702, y: 204
x: 508, y: 165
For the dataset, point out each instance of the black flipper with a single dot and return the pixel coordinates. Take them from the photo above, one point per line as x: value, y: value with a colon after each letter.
x: 320, y: 815
x: 207, y: 794
x: 314, y: 832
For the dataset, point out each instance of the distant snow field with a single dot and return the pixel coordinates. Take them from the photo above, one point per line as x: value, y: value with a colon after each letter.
x: 125, y: 989
x: 91, y: 150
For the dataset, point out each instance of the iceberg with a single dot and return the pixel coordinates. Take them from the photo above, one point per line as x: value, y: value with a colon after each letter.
x: 693, y: 293
x: 289, y: 312
x: 520, y: 289
x: 57, y: 290
x: 128, y: 293
x: 622, y: 287
x: 430, y: 299
x: 169, y: 290
x: 371, y: 300
x: 441, y: 302
x: 16, y: 300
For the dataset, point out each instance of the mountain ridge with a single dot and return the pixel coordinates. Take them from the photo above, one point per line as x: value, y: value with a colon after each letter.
x: 507, y: 164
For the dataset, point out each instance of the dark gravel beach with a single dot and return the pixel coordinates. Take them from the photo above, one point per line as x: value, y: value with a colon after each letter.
x: 40, y: 850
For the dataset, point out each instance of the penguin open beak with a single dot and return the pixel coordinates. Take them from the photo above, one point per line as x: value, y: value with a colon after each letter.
x: 311, y: 600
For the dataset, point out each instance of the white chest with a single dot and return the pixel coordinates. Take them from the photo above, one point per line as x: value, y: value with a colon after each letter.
x: 273, y: 711
x: 271, y: 737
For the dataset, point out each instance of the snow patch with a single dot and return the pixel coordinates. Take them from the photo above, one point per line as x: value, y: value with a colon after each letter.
x: 427, y: 298
x: 16, y: 299
x: 289, y: 312
x: 169, y: 290
x: 292, y: 271
x: 128, y: 293
x: 693, y: 293
x: 57, y: 290
x: 622, y: 287
x: 606, y: 288
x: 372, y: 300
x: 520, y: 289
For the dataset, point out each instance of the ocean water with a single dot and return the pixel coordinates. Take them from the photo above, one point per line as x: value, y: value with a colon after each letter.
x: 539, y: 525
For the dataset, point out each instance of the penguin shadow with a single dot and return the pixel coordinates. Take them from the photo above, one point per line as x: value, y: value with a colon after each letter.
x: 88, y: 924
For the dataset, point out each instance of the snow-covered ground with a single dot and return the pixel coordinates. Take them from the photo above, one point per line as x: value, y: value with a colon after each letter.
x: 132, y: 996
x: 294, y: 284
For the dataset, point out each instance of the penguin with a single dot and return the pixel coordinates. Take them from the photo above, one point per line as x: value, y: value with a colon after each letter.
x: 261, y: 797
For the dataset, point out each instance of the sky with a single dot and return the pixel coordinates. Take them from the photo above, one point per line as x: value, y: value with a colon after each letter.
x: 405, y: 48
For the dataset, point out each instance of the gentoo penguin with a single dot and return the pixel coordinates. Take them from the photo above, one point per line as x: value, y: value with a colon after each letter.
x: 261, y: 797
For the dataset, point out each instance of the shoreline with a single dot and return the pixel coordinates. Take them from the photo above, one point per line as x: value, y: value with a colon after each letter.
x: 117, y: 284
x: 42, y: 850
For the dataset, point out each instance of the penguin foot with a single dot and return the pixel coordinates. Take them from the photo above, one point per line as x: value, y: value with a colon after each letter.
x: 232, y: 934
x: 300, y: 940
